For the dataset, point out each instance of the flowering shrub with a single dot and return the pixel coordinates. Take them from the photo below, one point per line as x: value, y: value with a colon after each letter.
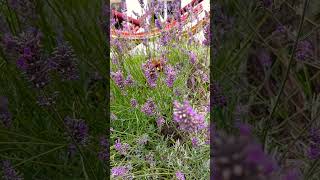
x: 150, y: 110
x: 53, y: 90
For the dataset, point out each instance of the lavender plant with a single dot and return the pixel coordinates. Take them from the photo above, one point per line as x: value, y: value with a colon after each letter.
x: 42, y: 80
x: 264, y: 75
x: 159, y: 70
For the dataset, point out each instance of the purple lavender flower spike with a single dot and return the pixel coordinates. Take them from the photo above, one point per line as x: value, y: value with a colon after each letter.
x: 170, y: 75
x: 10, y: 44
x: 119, y: 171
x: 134, y: 103
x: 9, y: 173
x: 314, y: 147
x: 114, y: 60
x: 180, y: 175
x: 206, y: 32
x: 121, y: 148
x: 78, y: 129
x: 304, y: 50
x: 64, y: 61
x: 117, y: 44
x: 165, y: 38
x: 160, y: 122
x: 158, y: 24
x: 240, y: 157
x: 5, y: 114
x: 195, y: 142
x: 104, y: 153
x: 26, y: 50
x: 192, y: 57
x: 149, y: 108
x: 118, y: 79
x: 187, y: 118
x: 129, y: 81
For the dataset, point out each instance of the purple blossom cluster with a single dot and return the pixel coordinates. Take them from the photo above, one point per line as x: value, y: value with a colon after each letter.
x: 134, y: 103
x: 63, y: 60
x: 120, y: 81
x: 160, y: 121
x: 119, y: 171
x: 240, y: 157
x: 78, y: 130
x: 192, y: 57
x: 149, y: 108
x: 5, y: 114
x: 206, y: 32
x: 117, y: 44
x: 187, y: 118
x: 180, y: 175
x: 165, y: 38
x: 26, y: 48
x: 121, y: 148
x: 129, y: 81
x: 150, y: 73
x: 195, y: 141
x: 104, y: 153
x: 158, y: 24
x: 118, y: 78
x: 170, y: 75
x: 304, y: 50
x: 314, y: 147
x: 9, y: 173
